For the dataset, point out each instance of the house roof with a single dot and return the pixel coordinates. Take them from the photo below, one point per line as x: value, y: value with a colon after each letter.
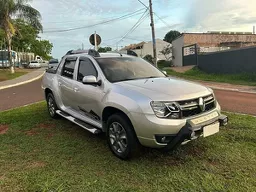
x: 134, y: 46
x: 215, y: 33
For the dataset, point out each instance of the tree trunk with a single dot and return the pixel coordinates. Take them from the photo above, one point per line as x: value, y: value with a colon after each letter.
x: 9, y: 42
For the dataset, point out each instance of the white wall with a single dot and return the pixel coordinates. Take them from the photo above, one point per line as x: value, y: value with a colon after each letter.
x: 177, y: 51
x: 148, y: 49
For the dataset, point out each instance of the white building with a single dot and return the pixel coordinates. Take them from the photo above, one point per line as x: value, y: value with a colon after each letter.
x: 146, y: 48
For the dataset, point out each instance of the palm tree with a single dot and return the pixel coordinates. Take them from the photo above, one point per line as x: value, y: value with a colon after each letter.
x: 13, y: 9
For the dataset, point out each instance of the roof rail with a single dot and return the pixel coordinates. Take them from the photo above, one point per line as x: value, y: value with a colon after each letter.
x: 91, y: 52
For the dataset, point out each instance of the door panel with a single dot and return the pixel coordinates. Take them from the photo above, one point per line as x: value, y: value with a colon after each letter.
x: 87, y: 97
x: 88, y: 100
x: 66, y: 80
x: 66, y: 90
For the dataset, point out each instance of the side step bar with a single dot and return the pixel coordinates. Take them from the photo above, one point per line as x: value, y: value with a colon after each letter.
x: 80, y: 123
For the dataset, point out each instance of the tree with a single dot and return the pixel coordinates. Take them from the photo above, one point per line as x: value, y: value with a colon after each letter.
x: 2, y: 39
x: 42, y: 48
x: 10, y: 9
x: 104, y: 49
x: 25, y: 36
x: 171, y: 35
x: 149, y: 58
x: 167, y: 52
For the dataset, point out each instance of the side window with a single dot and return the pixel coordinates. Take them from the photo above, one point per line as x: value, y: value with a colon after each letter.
x: 86, y: 68
x: 68, y: 68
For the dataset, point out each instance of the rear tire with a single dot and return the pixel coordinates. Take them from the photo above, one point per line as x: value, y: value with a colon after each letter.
x: 51, y: 105
x: 121, y: 136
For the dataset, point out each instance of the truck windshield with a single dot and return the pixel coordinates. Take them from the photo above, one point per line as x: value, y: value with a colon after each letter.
x: 118, y: 69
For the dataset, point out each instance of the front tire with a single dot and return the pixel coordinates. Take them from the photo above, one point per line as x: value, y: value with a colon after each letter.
x: 121, y: 137
x: 51, y: 105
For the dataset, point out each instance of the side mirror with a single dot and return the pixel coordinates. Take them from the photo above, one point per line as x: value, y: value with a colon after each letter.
x: 91, y: 80
x: 164, y: 72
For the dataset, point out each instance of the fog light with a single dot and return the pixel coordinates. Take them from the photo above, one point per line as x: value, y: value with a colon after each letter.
x: 163, y: 139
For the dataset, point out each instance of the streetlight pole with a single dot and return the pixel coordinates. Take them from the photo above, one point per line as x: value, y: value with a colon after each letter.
x: 153, y: 32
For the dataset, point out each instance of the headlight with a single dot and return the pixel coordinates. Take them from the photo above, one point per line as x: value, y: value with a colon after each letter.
x: 166, y: 110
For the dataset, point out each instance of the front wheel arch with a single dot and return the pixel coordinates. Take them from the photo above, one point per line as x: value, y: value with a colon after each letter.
x: 108, y: 111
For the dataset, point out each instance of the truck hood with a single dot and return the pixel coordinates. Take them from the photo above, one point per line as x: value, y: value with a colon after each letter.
x: 166, y: 89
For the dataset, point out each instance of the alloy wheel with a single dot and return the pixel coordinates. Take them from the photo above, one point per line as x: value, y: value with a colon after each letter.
x: 118, y: 137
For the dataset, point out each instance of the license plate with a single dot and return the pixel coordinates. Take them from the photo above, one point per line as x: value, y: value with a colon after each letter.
x: 211, y: 129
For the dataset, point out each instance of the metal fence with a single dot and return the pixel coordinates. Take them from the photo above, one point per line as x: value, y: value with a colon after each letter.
x: 241, y: 60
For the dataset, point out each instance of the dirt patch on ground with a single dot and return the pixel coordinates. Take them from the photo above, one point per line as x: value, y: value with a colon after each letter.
x: 39, y: 127
x: 37, y: 164
x: 3, y: 129
x: 32, y: 132
x: 45, y: 126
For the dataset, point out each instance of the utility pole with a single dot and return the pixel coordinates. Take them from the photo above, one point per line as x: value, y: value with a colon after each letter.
x: 153, y: 32
x: 95, y: 41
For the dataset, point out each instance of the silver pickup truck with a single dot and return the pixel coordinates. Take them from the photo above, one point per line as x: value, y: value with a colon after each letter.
x: 131, y: 101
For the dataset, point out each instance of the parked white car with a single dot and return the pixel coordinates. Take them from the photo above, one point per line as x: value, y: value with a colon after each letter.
x: 34, y: 64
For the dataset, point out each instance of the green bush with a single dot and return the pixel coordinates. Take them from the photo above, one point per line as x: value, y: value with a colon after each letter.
x: 162, y: 64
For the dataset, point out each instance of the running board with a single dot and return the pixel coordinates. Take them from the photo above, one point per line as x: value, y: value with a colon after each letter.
x: 80, y: 123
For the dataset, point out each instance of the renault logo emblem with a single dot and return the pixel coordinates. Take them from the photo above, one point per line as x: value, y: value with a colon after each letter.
x: 202, y: 104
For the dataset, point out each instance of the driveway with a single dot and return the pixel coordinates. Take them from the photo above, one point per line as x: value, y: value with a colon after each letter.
x: 30, y: 93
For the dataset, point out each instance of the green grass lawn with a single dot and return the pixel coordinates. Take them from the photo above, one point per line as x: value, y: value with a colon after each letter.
x: 41, y: 154
x: 6, y: 75
x: 196, y: 74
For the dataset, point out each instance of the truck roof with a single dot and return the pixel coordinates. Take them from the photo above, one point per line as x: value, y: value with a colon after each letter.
x: 95, y: 53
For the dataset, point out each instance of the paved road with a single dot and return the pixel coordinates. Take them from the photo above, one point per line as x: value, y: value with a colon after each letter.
x: 21, y: 95
x: 237, y: 102
x: 32, y: 92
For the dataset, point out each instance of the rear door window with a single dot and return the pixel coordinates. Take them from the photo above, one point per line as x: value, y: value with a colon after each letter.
x: 69, y: 67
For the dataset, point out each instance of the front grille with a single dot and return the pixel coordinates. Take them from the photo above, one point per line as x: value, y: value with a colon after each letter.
x: 192, y: 107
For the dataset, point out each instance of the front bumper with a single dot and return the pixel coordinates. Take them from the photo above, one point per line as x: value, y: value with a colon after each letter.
x: 150, y: 130
x: 188, y: 132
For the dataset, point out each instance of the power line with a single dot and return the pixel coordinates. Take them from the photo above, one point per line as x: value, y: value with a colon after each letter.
x: 135, y: 26
x: 162, y: 20
x: 143, y: 4
x: 103, y: 22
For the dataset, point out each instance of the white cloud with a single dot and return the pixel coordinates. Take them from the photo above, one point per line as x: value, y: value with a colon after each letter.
x: 224, y: 15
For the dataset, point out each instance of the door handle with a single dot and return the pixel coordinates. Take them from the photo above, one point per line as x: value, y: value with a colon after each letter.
x: 76, y: 89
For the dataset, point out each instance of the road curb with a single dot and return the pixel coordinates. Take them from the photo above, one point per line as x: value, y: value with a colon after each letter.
x: 22, y: 83
x: 229, y: 89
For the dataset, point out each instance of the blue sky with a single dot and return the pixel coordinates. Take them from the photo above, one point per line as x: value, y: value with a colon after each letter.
x: 182, y: 15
